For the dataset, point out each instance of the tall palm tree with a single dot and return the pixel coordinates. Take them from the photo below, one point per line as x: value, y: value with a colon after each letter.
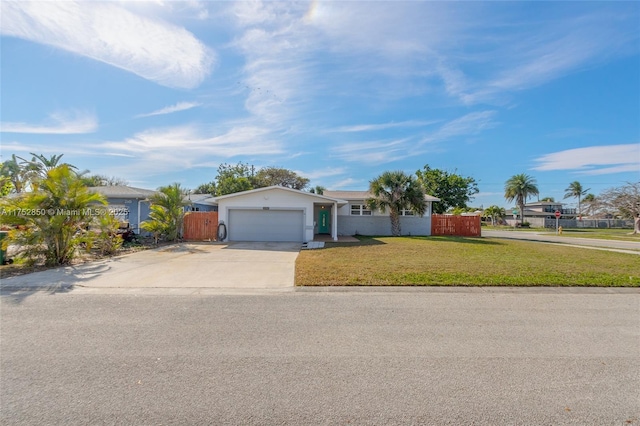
x: 519, y: 188
x: 396, y: 191
x: 575, y: 190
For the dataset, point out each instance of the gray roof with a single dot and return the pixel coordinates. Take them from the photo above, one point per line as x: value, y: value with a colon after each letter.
x: 121, y: 191
x: 362, y: 195
x: 280, y: 188
x: 206, y: 199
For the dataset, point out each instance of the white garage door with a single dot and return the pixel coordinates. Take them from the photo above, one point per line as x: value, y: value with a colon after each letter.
x: 265, y: 225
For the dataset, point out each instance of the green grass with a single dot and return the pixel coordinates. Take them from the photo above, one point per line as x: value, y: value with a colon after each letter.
x: 463, y: 261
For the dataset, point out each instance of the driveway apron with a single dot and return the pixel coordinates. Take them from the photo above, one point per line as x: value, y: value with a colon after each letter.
x: 188, y: 265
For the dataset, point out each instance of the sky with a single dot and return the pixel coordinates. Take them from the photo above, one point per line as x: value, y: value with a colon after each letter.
x: 164, y: 91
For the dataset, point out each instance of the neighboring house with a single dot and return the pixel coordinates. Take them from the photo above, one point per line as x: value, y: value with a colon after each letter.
x: 128, y: 203
x: 277, y: 213
x: 201, y: 203
x: 355, y: 217
x: 546, y: 210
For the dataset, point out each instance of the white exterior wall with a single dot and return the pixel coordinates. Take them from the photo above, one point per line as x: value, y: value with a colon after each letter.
x: 274, y: 199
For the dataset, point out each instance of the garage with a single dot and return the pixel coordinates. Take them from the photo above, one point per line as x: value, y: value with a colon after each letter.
x: 266, y: 225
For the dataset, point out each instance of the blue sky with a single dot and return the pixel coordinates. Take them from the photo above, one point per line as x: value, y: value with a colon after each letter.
x: 161, y: 92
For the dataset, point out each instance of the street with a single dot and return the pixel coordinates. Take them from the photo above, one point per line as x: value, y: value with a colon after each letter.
x: 485, y: 356
x: 632, y: 247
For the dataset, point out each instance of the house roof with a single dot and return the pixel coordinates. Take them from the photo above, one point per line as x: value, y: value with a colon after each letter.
x: 206, y: 199
x: 544, y: 203
x: 121, y: 191
x: 363, y: 195
x: 281, y: 188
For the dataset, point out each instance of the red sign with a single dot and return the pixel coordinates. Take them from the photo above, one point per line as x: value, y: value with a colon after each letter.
x: 558, y: 214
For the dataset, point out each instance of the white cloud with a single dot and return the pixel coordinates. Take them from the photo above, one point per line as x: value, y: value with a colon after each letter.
x: 373, y: 152
x: 153, y: 49
x: 469, y: 124
x: 383, y: 126
x: 594, y: 160
x: 191, y: 143
x: 64, y: 122
x: 323, y: 173
x: 345, y: 183
x: 180, y: 106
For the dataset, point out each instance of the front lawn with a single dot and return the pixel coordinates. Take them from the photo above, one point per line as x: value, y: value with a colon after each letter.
x: 463, y: 261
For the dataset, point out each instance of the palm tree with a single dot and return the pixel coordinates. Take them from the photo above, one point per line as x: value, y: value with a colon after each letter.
x: 575, y: 190
x: 167, y: 212
x: 519, y: 188
x: 396, y: 191
x: 494, y: 212
x: 59, y: 208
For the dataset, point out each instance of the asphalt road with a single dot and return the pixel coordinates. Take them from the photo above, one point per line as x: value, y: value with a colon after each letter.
x: 410, y: 356
x: 627, y: 246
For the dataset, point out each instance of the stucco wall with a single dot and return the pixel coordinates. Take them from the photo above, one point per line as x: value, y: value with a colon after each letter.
x: 132, y: 206
x: 273, y: 199
x: 381, y: 225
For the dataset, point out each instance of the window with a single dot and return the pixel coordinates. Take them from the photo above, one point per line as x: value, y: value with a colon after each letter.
x: 195, y: 209
x: 360, y: 210
x: 406, y: 212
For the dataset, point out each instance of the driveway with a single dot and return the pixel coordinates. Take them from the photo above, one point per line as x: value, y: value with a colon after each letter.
x: 188, y: 265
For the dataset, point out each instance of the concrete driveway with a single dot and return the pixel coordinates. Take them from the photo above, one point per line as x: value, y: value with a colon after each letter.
x: 187, y: 265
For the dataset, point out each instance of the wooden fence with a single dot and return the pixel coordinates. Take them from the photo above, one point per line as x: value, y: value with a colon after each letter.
x: 460, y: 226
x: 200, y: 226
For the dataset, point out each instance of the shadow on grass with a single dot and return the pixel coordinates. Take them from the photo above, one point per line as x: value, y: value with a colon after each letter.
x: 376, y: 240
x: 463, y: 240
x: 363, y: 241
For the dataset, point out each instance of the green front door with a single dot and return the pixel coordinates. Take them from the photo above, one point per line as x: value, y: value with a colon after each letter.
x: 323, y: 222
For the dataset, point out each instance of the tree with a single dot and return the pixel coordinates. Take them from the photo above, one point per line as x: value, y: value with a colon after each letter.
x: 41, y: 164
x: 318, y: 190
x: 270, y: 176
x: 13, y: 172
x: 103, y: 180
x: 167, y: 212
x: 549, y: 199
x: 623, y: 201
x: 243, y: 177
x: 591, y: 205
x: 494, y: 212
x: 519, y: 188
x: 575, y: 190
x: 397, y: 191
x: 206, y: 188
x: 52, y: 217
x: 234, y: 178
x: 6, y: 187
x: 453, y: 189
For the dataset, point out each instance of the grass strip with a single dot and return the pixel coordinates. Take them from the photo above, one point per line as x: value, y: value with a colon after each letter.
x: 464, y: 261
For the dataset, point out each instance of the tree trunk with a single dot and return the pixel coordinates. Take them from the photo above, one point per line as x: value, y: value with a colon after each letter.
x: 395, y: 222
x: 521, y: 213
x: 636, y: 224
